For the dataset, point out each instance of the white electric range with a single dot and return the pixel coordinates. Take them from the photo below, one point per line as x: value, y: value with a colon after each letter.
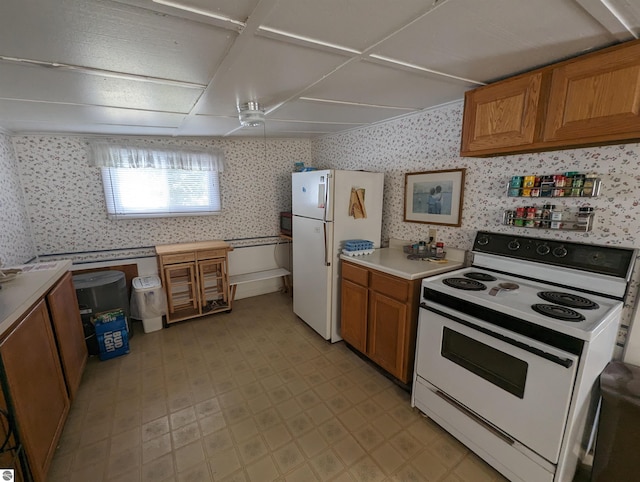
x: 509, y: 350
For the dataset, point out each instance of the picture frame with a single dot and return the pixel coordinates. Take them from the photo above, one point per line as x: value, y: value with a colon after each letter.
x: 434, y: 197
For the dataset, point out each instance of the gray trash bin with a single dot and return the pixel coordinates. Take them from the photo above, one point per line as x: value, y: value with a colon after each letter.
x: 148, y: 302
x: 618, y: 440
x: 97, y: 292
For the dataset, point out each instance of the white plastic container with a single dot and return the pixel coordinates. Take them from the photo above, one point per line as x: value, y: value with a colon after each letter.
x: 148, y: 302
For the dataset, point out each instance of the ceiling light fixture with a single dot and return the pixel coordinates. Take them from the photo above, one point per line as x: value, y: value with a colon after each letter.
x: 251, y: 114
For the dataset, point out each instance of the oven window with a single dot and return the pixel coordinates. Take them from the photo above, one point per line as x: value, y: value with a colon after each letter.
x: 495, y: 366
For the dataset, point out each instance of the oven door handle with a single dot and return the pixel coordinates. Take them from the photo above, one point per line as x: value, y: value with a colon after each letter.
x: 565, y: 362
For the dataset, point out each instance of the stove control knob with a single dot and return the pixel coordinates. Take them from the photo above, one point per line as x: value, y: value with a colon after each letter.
x: 513, y: 245
x: 483, y: 240
x: 560, y: 252
x: 543, y: 249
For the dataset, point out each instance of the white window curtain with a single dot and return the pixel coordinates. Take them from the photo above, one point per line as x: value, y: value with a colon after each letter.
x: 131, y: 156
x: 143, y: 182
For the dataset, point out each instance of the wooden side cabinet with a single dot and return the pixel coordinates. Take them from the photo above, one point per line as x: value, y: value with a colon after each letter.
x: 35, y: 385
x: 379, y: 317
x: 195, y: 277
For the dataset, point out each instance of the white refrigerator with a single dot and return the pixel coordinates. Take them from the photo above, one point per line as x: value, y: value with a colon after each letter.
x: 323, y: 218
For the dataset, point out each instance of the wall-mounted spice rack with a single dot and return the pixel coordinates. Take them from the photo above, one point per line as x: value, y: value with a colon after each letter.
x: 570, y: 184
x: 537, y: 217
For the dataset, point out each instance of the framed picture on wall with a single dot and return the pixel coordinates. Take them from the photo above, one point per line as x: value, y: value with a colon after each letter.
x: 434, y: 197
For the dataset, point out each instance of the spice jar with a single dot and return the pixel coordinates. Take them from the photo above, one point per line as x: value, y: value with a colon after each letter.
x: 519, y: 219
x: 589, y: 187
x: 515, y: 186
x: 556, y: 219
x: 559, y: 182
x: 545, y: 222
x: 531, y: 216
x: 439, y: 250
x: 584, y: 217
x: 527, y: 183
x: 576, y: 185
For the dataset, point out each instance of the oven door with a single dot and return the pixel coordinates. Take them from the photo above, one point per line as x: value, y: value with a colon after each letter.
x: 519, y: 385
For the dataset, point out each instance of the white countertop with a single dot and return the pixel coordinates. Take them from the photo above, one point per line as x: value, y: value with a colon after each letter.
x: 394, y: 261
x: 18, y: 295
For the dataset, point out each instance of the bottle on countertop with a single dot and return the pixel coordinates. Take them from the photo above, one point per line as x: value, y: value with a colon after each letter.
x: 439, y: 250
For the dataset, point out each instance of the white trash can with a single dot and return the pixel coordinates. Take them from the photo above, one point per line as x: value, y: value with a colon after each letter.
x: 148, y: 302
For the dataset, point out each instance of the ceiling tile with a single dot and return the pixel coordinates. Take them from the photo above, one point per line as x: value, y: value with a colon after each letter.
x: 312, y: 111
x: 29, y: 82
x: 370, y: 83
x: 112, y: 36
x: 354, y: 23
x: 492, y: 39
x: 20, y: 116
x: 235, y: 9
x: 268, y: 71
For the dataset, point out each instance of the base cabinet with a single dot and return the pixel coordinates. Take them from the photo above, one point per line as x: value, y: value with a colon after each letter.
x: 379, y: 317
x: 67, y: 326
x: 195, y: 277
x: 35, y: 387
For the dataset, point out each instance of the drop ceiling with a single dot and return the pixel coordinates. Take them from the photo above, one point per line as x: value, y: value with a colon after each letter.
x: 181, y: 67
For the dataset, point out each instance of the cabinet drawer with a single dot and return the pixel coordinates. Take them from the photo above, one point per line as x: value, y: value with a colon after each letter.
x: 178, y: 258
x: 212, y: 253
x: 356, y: 274
x: 393, y: 287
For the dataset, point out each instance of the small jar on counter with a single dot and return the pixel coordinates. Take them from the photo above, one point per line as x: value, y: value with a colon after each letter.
x: 439, y: 250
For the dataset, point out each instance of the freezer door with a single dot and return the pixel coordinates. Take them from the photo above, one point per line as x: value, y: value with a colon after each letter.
x: 311, y: 194
x: 311, y: 275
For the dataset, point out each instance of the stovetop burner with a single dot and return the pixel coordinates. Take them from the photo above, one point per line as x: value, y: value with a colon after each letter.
x: 480, y: 276
x: 464, y: 284
x: 558, y: 312
x: 568, y: 299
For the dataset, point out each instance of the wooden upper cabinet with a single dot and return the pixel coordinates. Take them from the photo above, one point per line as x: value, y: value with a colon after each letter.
x: 596, y: 99
x: 589, y: 100
x: 502, y: 115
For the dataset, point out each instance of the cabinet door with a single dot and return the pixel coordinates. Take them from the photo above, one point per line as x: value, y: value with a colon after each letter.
x: 596, y: 99
x: 38, y: 396
x: 506, y: 114
x: 387, y: 334
x: 353, y: 315
x: 67, y: 326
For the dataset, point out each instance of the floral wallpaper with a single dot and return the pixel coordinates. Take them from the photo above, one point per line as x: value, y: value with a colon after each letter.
x: 65, y: 197
x: 16, y: 245
x: 431, y: 141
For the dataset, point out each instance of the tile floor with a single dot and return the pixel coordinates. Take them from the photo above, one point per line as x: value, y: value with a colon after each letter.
x: 253, y: 395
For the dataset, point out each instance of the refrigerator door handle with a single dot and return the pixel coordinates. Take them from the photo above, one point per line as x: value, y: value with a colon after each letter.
x: 324, y: 204
x: 327, y: 262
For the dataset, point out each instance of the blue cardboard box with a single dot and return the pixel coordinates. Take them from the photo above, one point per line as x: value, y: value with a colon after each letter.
x: 112, y: 334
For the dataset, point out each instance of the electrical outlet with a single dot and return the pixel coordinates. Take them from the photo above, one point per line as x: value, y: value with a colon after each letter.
x: 622, y: 336
x: 433, y: 234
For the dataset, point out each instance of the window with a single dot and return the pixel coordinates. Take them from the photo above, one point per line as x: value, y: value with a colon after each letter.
x: 158, y: 182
